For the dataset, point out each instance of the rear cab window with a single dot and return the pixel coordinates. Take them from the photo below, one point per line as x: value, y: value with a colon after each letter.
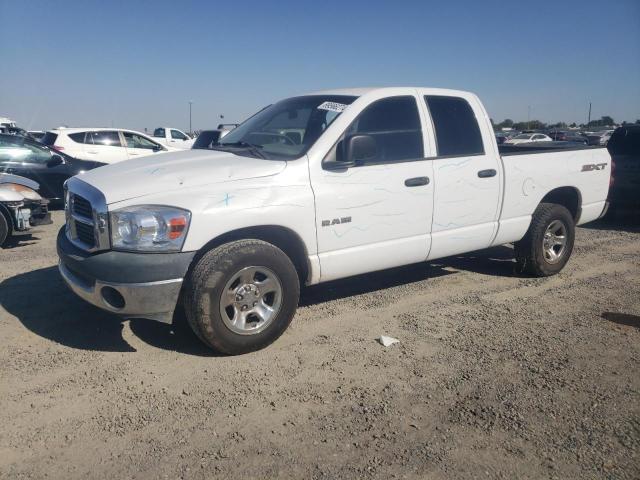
x: 456, y: 127
x: 159, y: 132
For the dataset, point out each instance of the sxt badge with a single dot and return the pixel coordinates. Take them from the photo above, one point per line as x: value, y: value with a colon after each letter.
x: 593, y: 166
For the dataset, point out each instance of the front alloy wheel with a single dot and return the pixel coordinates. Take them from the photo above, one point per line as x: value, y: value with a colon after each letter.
x: 250, y: 300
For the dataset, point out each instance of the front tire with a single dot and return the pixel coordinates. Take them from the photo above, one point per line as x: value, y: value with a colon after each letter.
x: 241, y: 296
x: 547, y: 245
x: 5, y: 229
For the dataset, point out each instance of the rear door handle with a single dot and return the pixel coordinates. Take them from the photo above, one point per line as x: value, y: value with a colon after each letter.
x: 416, y: 181
x: 487, y: 173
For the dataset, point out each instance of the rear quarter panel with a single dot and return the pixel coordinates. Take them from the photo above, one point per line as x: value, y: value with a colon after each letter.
x: 529, y: 177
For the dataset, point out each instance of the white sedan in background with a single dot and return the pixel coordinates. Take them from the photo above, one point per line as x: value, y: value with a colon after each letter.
x: 104, y: 145
x: 528, y: 137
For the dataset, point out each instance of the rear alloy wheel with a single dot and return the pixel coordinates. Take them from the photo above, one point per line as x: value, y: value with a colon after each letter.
x: 554, y: 242
x: 547, y: 245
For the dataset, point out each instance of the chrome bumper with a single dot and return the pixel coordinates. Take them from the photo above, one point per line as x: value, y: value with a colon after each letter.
x: 152, y: 300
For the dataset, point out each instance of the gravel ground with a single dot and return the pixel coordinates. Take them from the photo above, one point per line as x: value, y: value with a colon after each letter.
x: 495, y: 376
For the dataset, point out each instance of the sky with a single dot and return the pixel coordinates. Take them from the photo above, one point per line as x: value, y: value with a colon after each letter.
x: 137, y: 64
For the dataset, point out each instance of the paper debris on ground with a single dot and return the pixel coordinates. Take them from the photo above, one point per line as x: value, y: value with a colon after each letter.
x: 387, y: 341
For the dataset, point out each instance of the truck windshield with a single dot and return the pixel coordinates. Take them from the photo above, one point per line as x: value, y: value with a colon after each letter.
x: 287, y: 129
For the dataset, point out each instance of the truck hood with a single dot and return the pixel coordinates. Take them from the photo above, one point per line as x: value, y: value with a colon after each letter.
x: 178, y: 170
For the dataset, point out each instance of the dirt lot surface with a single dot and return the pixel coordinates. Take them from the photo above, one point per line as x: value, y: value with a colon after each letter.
x: 495, y: 376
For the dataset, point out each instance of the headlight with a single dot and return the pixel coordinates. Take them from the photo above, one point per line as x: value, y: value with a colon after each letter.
x: 149, y: 228
x: 26, y: 192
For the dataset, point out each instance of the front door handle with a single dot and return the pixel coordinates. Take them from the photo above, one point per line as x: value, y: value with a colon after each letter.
x: 487, y: 173
x: 416, y: 181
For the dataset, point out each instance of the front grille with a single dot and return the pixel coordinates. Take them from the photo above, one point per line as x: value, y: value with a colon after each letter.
x: 87, y: 216
x: 81, y: 207
x: 85, y: 233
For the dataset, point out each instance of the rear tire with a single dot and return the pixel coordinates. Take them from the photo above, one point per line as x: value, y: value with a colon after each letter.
x: 241, y: 296
x: 5, y: 229
x: 547, y: 245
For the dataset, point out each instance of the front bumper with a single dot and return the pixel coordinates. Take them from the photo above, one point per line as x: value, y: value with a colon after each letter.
x: 134, y: 285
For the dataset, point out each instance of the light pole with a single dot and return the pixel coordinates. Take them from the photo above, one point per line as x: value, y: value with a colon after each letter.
x: 589, y: 117
x: 190, y: 130
x: 528, y: 117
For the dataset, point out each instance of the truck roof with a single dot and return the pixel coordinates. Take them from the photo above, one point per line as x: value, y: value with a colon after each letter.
x: 358, y: 92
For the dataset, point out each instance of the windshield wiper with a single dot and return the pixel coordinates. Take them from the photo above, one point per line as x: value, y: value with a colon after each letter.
x: 239, y: 144
x: 255, y: 149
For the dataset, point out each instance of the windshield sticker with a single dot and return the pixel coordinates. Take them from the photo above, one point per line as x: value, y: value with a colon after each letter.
x: 332, y: 106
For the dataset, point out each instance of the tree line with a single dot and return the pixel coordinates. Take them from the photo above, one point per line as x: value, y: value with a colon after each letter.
x: 604, y: 121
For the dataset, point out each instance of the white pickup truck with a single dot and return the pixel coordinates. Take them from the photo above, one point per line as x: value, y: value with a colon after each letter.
x: 311, y: 189
x: 172, y: 137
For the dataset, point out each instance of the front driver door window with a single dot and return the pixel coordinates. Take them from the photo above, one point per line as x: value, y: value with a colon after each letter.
x: 178, y: 136
x: 139, y: 146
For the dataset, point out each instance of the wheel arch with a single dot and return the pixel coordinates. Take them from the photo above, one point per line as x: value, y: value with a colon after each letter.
x: 568, y: 197
x: 284, y: 238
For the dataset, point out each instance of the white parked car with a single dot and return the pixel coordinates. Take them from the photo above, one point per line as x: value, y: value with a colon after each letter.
x: 104, y: 145
x: 604, y: 138
x: 311, y: 189
x: 173, y: 137
x: 528, y: 137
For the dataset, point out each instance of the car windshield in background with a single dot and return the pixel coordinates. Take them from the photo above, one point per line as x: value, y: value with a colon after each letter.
x: 15, y: 149
x: 287, y: 129
x: 523, y: 137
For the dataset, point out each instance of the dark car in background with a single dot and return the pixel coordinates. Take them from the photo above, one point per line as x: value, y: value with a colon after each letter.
x: 28, y: 158
x: 36, y: 134
x: 501, y: 138
x: 206, y: 139
x: 624, y: 189
x: 568, y: 136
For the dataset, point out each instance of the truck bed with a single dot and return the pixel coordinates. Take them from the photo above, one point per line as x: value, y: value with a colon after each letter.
x: 529, y: 176
x: 542, y: 147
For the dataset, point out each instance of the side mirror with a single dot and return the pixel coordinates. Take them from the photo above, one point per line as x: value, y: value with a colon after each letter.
x: 55, y: 160
x: 353, y: 150
x: 360, y: 148
x: 157, y: 148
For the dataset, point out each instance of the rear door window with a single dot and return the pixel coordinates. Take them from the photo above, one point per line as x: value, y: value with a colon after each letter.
x: 457, y: 130
x: 159, y: 132
x: 106, y: 138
